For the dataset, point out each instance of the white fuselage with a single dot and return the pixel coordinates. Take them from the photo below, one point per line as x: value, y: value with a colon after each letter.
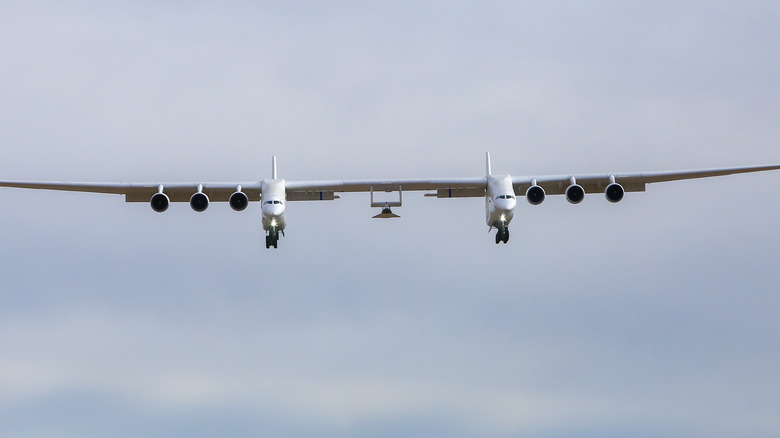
x: 274, y: 203
x: 500, y: 201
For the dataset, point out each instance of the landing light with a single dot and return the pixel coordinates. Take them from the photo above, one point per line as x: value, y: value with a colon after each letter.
x: 503, y: 218
x: 273, y: 222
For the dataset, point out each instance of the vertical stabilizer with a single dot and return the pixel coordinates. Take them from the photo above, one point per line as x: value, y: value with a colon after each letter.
x: 487, y: 164
x: 273, y: 167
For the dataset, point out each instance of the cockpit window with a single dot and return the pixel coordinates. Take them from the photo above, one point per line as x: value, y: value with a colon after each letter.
x: 277, y: 202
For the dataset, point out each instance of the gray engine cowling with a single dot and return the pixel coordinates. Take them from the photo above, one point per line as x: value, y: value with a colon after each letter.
x: 199, y: 202
x: 614, y: 192
x: 535, y: 195
x: 239, y: 201
x: 575, y: 194
x: 159, y: 202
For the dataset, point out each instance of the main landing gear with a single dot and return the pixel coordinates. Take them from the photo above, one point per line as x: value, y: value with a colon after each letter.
x: 502, y: 235
x: 272, y: 239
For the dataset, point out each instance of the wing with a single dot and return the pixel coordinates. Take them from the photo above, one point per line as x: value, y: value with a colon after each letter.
x: 445, y: 188
x: 142, y: 192
x: 631, y: 182
x: 322, y: 190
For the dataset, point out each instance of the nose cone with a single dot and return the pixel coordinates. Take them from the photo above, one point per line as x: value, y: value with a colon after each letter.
x: 273, y: 210
x: 505, y: 205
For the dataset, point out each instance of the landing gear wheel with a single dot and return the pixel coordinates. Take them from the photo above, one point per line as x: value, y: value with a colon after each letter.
x: 506, y: 235
x: 267, y: 242
x: 498, y: 237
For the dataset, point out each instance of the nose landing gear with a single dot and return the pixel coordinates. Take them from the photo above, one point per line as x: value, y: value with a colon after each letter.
x: 502, y: 235
x: 272, y: 239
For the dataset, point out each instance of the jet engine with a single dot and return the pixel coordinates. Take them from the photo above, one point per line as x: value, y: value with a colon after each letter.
x: 575, y: 194
x: 199, y: 202
x: 160, y: 202
x: 535, y: 195
x: 614, y: 192
x: 239, y: 201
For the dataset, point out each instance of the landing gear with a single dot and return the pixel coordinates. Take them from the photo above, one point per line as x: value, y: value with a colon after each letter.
x: 502, y: 235
x: 272, y: 239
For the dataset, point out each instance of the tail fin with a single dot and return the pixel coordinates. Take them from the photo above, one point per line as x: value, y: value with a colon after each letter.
x: 487, y: 163
x: 273, y: 167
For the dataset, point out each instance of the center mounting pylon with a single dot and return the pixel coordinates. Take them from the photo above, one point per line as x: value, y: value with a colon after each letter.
x: 386, y: 212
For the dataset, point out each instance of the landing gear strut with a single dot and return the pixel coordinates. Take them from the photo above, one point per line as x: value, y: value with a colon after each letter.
x: 502, y: 235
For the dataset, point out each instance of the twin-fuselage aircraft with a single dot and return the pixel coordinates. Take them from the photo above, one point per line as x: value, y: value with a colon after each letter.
x: 500, y: 192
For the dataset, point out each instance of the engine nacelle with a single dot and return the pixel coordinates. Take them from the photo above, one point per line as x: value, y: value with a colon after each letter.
x: 614, y: 192
x: 575, y: 194
x: 199, y: 202
x: 535, y: 195
x: 239, y: 201
x: 159, y: 202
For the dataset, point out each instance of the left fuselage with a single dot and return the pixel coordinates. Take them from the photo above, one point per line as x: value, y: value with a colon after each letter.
x: 500, y: 201
x: 274, y: 204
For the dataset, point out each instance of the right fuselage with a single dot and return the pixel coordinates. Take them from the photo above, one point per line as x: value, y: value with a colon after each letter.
x: 500, y: 201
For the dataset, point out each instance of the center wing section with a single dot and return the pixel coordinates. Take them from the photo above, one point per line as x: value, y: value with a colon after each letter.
x: 444, y: 187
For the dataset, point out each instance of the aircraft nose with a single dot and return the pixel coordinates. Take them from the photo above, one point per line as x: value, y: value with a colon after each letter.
x: 273, y: 209
x: 506, y: 205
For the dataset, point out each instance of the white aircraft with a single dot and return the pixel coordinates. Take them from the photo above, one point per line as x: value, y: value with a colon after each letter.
x: 499, y: 191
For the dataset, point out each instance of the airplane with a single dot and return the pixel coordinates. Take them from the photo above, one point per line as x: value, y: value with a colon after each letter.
x: 500, y: 192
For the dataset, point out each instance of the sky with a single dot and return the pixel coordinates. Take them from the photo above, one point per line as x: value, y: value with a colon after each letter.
x: 657, y: 316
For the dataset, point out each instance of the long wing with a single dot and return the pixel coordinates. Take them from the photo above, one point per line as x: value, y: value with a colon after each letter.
x: 631, y: 182
x: 142, y: 192
x: 443, y: 187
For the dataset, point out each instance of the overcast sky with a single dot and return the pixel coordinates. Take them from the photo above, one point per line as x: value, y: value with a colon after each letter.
x: 657, y: 316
